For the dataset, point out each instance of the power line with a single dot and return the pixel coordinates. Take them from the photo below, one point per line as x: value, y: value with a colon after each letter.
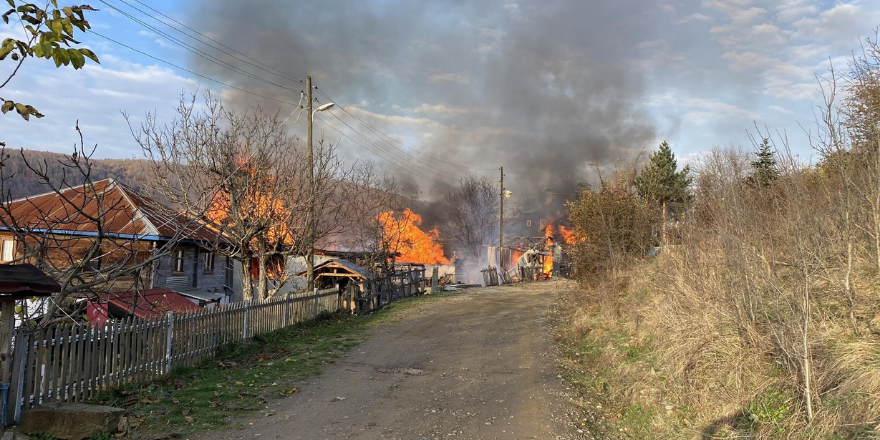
x: 271, y: 99
x: 391, y: 160
x: 436, y: 172
x: 198, y: 52
x: 190, y: 71
x: 378, y: 132
x: 268, y: 69
x: 265, y: 67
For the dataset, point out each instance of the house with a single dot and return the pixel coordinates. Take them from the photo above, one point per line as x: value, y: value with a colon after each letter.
x: 133, y: 225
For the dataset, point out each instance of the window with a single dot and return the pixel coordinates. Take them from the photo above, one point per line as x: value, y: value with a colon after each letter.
x: 178, y: 261
x: 209, y: 262
x: 543, y: 223
x: 95, y: 264
x: 528, y: 223
x: 8, y: 251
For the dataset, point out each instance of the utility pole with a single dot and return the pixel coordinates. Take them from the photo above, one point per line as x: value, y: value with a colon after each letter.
x: 501, y: 225
x: 310, y: 217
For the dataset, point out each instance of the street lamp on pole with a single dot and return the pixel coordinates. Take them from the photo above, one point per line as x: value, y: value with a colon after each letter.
x: 310, y: 220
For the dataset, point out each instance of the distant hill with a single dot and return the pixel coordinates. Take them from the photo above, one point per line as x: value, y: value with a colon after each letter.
x: 132, y: 172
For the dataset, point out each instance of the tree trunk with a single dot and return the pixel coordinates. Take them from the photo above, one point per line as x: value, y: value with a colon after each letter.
x: 663, y: 224
x: 263, y: 283
x: 247, y: 289
x: 807, y: 361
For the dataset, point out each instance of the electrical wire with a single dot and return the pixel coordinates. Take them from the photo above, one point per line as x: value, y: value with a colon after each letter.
x: 436, y: 172
x: 393, y: 162
x: 198, y: 52
x: 375, y: 130
x: 190, y: 71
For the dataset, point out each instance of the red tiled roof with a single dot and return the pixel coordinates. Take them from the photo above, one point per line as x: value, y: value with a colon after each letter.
x: 150, y: 303
x: 25, y: 281
x: 126, y: 212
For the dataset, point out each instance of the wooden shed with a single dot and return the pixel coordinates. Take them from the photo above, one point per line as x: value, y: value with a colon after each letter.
x: 337, y: 271
x: 18, y: 281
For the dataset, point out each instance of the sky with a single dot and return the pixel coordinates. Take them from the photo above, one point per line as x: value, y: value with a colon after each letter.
x: 441, y: 90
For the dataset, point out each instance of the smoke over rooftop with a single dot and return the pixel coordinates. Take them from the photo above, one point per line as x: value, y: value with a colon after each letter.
x: 542, y: 88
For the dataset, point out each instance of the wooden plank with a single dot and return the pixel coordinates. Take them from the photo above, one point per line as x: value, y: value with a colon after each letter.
x: 67, y: 364
x: 113, y: 355
x: 39, y: 376
x: 74, y: 369
x: 57, y: 364
x: 88, y: 378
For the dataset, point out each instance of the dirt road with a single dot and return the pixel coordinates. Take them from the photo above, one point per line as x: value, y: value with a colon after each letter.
x: 476, y: 365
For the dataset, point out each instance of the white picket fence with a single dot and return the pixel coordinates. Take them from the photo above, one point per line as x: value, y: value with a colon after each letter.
x: 72, y: 363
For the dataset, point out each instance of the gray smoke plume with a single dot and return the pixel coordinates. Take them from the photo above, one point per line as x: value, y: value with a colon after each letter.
x: 544, y: 88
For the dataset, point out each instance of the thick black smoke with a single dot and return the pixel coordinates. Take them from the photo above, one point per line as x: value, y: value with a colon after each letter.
x: 544, y: 88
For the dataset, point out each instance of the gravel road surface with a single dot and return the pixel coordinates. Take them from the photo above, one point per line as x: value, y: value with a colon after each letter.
x: 478, y: 364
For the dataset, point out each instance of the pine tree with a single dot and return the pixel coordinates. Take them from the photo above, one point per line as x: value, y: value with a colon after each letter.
x: 661, y: 182
x: 765, y: 170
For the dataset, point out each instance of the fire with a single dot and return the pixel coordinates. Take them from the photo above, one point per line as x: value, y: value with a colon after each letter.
x: 548, y: 259
x: 258, y: 206
x: 403, y: 235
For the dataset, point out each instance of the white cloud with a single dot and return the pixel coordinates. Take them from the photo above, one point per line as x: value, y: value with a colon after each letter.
x: 94, y: 96
x: 779, y: 109
x: 449, y: 77
x: 696, y: 16
x: 440, y: 109
x: 742, y: 62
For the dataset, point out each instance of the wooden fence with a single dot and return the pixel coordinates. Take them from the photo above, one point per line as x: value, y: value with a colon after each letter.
x: 372, y: 295
x: 72, y: 363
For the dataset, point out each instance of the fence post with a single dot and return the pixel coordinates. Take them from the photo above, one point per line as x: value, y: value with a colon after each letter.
x: 244, y: 328
x: 286, y: 310
x: 435, y: 281
x: 169, y: 333
x: 316, y: 303
x: 15, y: 399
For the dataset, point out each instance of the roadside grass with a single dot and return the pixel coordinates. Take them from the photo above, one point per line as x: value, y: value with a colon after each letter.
x: 243, y: 377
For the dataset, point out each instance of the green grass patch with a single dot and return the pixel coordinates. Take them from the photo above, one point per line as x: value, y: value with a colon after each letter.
x: 244, y: 376
x: 767, y: 411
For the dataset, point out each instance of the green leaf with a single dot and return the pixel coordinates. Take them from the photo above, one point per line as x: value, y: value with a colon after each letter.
x: 90, y: 55
x: 6, y: 15
x: 22, y: 110
x: 7, y: 106
x: 76, y: 58
x: 7, y: 46
x: 60, y: 57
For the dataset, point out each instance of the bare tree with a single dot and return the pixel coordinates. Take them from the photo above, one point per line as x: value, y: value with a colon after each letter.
x: 473, y: 216
x: 224, y: 168
x: 72, y: 232
x: 369, y: 194
x: 244, y: 176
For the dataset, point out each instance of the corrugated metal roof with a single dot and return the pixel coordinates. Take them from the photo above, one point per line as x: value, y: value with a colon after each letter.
x: 124, y: 210
x: 149, y: 303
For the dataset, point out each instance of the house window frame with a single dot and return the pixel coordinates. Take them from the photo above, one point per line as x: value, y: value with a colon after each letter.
x: 177, y: 261
x: 3, y: 248
x: 209, y: 262
x: 528, y: 223
x: 543, y: 223
x: 11, y: 243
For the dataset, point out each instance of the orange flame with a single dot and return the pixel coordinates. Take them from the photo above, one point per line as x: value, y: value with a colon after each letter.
x: 403, y: 235
x: 548, y: 259
x: 257, y: 206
